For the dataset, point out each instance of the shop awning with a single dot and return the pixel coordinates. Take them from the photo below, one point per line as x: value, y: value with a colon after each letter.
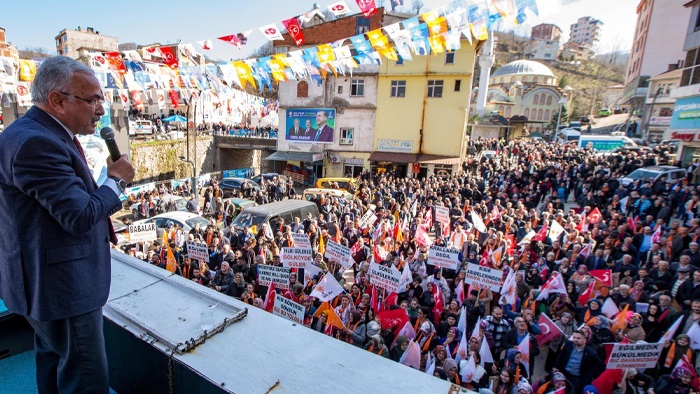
x: 394, y: 157
x: 435, y: 159
x: 295, y: 156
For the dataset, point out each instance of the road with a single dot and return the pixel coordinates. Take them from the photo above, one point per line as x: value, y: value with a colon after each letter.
x: 605, y: 125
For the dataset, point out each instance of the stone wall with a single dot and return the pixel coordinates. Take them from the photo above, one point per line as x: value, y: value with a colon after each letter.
x: 159, y: 160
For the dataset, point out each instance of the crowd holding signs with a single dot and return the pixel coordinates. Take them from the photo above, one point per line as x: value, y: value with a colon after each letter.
x: 480, y: 283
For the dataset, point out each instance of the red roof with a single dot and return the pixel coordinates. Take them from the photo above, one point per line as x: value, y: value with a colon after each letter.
x: 335, y: 30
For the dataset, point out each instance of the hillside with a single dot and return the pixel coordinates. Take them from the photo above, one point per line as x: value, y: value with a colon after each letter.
x: 583, y: 76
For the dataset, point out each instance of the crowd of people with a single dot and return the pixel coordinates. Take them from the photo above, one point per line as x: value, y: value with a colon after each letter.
x: 505, y: 213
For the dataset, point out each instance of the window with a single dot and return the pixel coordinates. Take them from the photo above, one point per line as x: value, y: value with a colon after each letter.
x: 539, y: 115
x: 524, y: 79
x: 546, y: 114
x: 357, y: 87
x: 450, y: 58
x: 361, y: 25
x: 435, y: 88
x: 535, y: 101
x: 549, y: 100
x: 458, y: 85
x: 302, y: 89
x: 398, y: 88
x: 501, y: 80
x: 508, y: 112
x: 340, y: 89
x: 512, y: 79
x: 346, y: 136
x: 527, y: 113
x: 534, y: 80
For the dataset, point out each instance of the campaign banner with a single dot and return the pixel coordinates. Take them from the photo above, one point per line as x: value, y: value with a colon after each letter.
x: 634, y: 355
x: 484, y: 277
x: 339, y: 253
x: 288, y: 309
x: 238, y: 173
x: 443, y: 257
x: 368, y: 218
x: 295, y: 257
x: 301, y: 241
x: 388, y: 278
x: 442, y: 215
x: 310, y: 125
x: 142, y: 232
x: 197, y: 251
x: 268, y: 274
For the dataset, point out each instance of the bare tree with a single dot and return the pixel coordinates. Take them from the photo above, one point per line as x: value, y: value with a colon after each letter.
x: 128, y: 46
x: 417, y: 6
x: 36, y: 52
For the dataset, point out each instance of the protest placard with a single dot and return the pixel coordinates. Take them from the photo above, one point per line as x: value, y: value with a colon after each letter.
x: 368, y: 218
x: 197, y: 251
x: 295, y: 257
x: 388, y: 278
x: 288, y: 309
x: 301, y: 241
x: 634, y: 355
x: 442, y: 214
x: 142, y: 232
x: 268, y: 274
x: 443, y: 257
x: 339, y: 253
x: 484, y: 277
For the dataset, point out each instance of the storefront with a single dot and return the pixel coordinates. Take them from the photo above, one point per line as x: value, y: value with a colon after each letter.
x: 346, y: 164
x: 685, y: 127
x: 302, y: 167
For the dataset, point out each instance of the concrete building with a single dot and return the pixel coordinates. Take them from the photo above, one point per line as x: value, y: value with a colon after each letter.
x: 546, y: 31
x: 421, y: 118
x: 6, y: 48
x: 685, y: 119
x: 68, y: 42
x: 542, y: 49
x: 658, y: 108
x: 573, y: 51
x: 586, y: 31
x: 524, y: 87
x: 657, y: 46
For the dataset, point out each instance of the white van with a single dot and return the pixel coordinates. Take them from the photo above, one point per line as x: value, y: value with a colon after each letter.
x: 140, y: 127
x: 567, y: 135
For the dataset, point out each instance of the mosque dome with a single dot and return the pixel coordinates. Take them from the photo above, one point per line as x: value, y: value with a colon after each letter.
x: 523, y: 67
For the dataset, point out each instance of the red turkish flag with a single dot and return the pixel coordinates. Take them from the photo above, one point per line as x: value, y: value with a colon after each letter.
x: 368, y: 7
x: 232, y: 39
x: 392, y: 319
x: 169, y: 57
x: 594, y: 216
x: 115, y: 62
x: 510, y: 242
x: 174, y: 97
x: 542, y: 234
x: 550, y: 331
x: 587, y: 295
x: 604, y: 276
x: 294, y: 29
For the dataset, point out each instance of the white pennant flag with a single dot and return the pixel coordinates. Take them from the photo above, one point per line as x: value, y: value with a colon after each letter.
x: 527, y: 238
x: 668, y: 336
x: 694, y: 334
x: 555, y: 284
x: 463, y: 349
x: 462, y: 325
x: 430, y: 365
x: 339, y: 8
x: 406, y: 279
x: 623, y: 204
x: 205, y: 44
x: 609, y: 308
x: 524, y: 349
x: 271, y: 32
x: 555, y: 230
x: 411, y: 357
x: 468, y: 370
x: 485, y: 352
x: 327, y: 289
x: 309, y: 272
x: 478, y: 223
x: 407, y: 330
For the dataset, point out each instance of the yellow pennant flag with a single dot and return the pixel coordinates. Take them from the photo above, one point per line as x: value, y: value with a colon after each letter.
x: 321, y: 245
x: 27, y: 70
x: 245, y: 74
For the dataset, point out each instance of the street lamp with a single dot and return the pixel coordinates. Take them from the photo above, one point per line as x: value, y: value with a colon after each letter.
x: 194, y: 174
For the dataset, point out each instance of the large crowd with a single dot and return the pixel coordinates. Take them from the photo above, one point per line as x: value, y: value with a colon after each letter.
x: 627, y: 259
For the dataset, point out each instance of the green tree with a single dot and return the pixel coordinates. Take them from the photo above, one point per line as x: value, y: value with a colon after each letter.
x: 563, y: 81
x: 555, y: 117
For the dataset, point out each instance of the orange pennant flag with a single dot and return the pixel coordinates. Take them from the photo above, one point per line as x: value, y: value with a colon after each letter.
x: 620, y: 321
x: 333, y: 318
x: 321, y: 245
x: 171, y: 264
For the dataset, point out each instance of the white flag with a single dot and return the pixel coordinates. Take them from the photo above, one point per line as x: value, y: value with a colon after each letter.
x: 407, y: 331
x: 206, y: 44
x: 406, y: 279
x: 694, y: 334
x: 527, y: 238
x: 509, y: 289
x: 430, y: 365
x: 609, y: 308
x: 309, y: 272
x: 468, y: 370
x: 555, y: 230
x: 485, y: 352
x: 327, y: 289
x: 462, y: 325
x: 271, y: 32
x: 339, y: 8
x: 668, y: 336
x: 555, y: 284
x: 524, y: 349
x: 411, y: 357
x: 478, y: 223
x: 623, y: 204
x: 462, y: 349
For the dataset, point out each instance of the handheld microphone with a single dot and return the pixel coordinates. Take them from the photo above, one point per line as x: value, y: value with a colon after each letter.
x: 107, y: 134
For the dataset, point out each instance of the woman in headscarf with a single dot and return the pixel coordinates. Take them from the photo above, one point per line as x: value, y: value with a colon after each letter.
x: 678, y: 382
x: 532, y: 277
x: 479, y: 379
x: 427, y: 337
x: 638, y: 293
x: 651, y: 325
x: 674, y: 352
x: 567, y: 325
x: 440, y: 355
x: 594, y: 308
x: 452, y: 371
x: 561, y: 304
x: 601, y: 334
x: 376, y: 346
x: 400, y: 347
x: 513, y: 363
x: 355, y: 331
x: 581, y: 278
x: 451, y: 341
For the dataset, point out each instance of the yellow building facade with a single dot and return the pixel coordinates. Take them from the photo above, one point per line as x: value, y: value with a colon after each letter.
x: 422, y: 113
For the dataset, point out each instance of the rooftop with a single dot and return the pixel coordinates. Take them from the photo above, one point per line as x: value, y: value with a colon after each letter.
x: 523, y: 67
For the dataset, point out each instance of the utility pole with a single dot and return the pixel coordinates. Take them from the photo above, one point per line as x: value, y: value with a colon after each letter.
x: 595, y: 92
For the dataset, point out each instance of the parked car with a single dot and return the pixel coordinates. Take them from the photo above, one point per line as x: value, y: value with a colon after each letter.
x: 233, y: 186
x: 618, y: 110
x: 584, y: 120
x: 180, y: 202
x: 140, y: 127
x: 671, y: 173
x: 268, y: 177
x: 239, y: 204
x: 575, y: 125
x: 604, y: 112
x: 186, y: 220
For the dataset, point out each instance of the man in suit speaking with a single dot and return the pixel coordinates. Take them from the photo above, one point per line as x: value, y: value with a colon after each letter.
x: 324, y: 132
x: 55, y: 264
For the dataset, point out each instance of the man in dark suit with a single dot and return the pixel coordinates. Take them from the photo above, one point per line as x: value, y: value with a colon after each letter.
x: 295, y: 132
x: 324, y: 132
x: 55, y: 263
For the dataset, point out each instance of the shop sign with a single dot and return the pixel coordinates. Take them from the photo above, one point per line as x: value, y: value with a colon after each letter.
x: 395, y: 146
x: 684, y: 135
x: 686, y: 113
